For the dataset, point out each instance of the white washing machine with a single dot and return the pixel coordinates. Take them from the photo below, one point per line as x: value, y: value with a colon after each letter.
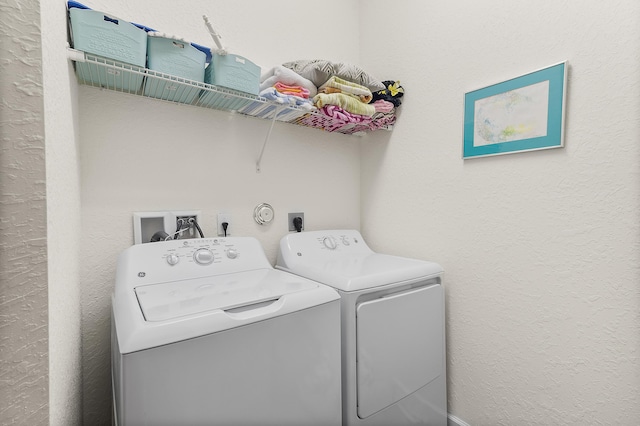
x: 393, y: 330
x: 207, y: 332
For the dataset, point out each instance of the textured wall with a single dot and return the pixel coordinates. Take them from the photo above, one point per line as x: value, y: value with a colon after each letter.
x: 63, y: 218
x: 23, y: 243
x: 541, y: 250
x: 144, y: 155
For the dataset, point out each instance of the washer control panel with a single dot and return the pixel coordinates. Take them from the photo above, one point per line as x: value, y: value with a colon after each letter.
x: 193, y: 258
x: 204, y: 252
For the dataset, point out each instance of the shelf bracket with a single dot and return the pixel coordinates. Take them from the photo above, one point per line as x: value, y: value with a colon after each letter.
x: 266, y: 139
x: 75, y: 55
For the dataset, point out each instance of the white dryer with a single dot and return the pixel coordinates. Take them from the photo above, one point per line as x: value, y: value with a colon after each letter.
x: 207, y: 332
x: 393, y: 330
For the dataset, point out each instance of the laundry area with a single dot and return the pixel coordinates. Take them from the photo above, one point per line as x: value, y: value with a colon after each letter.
x: 333, y: 268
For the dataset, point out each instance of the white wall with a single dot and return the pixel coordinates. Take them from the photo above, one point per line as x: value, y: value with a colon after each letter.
x: 63, y: 218
x: 541, y: 250
x: 24, y: 362
x: 144, y: 155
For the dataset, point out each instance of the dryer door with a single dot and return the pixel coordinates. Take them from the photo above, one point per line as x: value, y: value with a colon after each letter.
x: 400, y: 346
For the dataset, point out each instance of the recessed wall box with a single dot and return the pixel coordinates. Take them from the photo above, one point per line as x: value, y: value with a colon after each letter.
x: 191, y: 230
x: 145, y: 224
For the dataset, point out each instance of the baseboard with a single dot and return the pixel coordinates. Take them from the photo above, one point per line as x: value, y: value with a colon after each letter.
x: 455, y: 421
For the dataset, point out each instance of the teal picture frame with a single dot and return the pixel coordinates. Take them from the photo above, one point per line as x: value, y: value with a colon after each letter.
x: 522, y: 114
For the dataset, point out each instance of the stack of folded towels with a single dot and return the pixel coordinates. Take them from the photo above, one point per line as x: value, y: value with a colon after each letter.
x: 355, y: 104
x: 345, y: 100
x: 343, y: 93
x: 286, y: 87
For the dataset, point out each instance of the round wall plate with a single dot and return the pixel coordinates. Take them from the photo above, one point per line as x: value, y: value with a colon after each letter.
x: 263, y: 213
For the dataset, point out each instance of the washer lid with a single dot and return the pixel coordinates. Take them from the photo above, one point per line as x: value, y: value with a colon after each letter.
x: 165, y: 301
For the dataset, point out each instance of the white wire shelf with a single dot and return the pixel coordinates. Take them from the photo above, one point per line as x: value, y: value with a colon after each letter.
x: 108, y: 74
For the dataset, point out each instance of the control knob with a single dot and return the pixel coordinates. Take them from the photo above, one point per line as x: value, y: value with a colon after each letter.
x: 232, y: 253
x: 172, y: 259
x: 329, y: 243
x: 203, y: 256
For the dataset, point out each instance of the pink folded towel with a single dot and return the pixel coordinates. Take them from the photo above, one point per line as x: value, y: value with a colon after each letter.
x: 383, y: 106
x: 292, y: 90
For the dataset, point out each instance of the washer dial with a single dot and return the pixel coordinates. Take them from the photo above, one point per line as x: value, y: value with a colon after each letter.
x: 203, y: 256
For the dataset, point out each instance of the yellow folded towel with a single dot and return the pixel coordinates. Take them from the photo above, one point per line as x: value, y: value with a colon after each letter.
x: 347, y: 87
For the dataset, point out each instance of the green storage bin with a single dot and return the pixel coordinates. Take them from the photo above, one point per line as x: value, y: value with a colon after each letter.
x: 108, y: 38
x: 177, y: 58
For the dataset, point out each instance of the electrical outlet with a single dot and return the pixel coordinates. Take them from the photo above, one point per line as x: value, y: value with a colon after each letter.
x: 292, y: 216
x: 224, y: 218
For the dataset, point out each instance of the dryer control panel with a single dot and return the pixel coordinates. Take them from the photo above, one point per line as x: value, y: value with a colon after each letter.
x: 346, y: 241
x: 343, y: 260
x: 314, y: 246
x: 334, y: 241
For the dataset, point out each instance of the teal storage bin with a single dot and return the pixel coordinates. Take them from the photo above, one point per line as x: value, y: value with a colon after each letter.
x: 177, y: 58
x: 233, y: 72
x: 108, y: 38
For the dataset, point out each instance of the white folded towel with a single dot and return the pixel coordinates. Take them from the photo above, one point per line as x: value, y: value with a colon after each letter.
x: 288, y: 77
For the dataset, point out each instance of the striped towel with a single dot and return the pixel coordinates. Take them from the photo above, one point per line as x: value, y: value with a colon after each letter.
x: 346, y: 102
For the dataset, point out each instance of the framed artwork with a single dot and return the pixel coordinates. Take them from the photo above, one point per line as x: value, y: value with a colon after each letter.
x: 525, y: 113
